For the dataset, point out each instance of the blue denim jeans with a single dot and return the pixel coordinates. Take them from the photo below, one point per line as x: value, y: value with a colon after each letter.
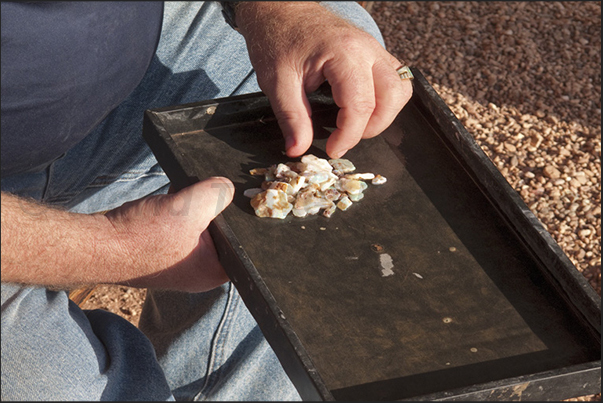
x: 203, y: 346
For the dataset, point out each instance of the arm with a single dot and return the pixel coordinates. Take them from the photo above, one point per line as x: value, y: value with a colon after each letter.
x: 295, y: 46
x: 159, y: 241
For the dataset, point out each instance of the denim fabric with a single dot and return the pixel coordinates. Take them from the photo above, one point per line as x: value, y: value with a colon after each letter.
x: 202, y: 346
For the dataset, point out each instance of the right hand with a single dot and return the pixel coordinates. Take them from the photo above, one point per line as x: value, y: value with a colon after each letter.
x: 167, y: 241
x: 295, y: 45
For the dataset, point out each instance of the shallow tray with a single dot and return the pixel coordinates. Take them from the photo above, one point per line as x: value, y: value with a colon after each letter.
x: 438, y: 285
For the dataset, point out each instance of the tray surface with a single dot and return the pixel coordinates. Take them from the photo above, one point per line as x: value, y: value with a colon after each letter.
x: 419, y: 288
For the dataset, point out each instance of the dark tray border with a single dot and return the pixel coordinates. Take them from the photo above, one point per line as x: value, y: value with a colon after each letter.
x: 566, y: 278
x: 571, y: 285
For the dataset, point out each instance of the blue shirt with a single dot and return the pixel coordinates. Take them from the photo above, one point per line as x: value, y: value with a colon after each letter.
x: 65, y: 66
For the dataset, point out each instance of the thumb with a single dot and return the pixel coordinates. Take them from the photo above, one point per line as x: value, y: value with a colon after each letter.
x: 203, y: 200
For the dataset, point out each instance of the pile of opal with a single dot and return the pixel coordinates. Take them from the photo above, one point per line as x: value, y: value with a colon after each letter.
x: 308, y: 187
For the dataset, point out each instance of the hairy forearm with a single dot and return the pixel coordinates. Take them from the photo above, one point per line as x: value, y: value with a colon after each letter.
x: 51, y: 247
x: 158, y: 241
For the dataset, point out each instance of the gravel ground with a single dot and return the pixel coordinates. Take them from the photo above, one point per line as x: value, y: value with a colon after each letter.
x: 525, y: 79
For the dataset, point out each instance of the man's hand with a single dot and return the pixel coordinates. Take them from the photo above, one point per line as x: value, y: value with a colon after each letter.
x: 295, y: 46
x: 158, y: 242
x: 167, y: 237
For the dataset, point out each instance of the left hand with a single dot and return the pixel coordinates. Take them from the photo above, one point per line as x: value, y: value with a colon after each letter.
x: 166, y: 241
x: 295, y: 46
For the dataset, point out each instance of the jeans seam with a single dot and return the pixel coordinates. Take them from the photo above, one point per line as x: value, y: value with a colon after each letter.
x: 217, y: 348
x: 107, y: 180
x: 67, y: 196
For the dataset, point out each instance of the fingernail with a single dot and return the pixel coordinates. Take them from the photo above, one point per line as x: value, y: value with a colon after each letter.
x: 340, y: 153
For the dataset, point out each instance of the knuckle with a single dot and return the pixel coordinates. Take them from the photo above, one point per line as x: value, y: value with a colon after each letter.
x: 287, y: 115
x: 362, y: 106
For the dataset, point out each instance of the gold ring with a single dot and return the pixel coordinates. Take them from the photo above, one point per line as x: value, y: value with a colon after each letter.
x: 405, y: 73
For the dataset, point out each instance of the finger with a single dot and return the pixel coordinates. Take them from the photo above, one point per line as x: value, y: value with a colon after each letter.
x: 355, y: 95
x: 391, y: 94
x: 293, y: 113
x: 214, y: 274
x: 212, y: 196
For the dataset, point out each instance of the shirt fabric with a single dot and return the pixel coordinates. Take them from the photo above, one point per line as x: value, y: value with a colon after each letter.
x: 65, y: 66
